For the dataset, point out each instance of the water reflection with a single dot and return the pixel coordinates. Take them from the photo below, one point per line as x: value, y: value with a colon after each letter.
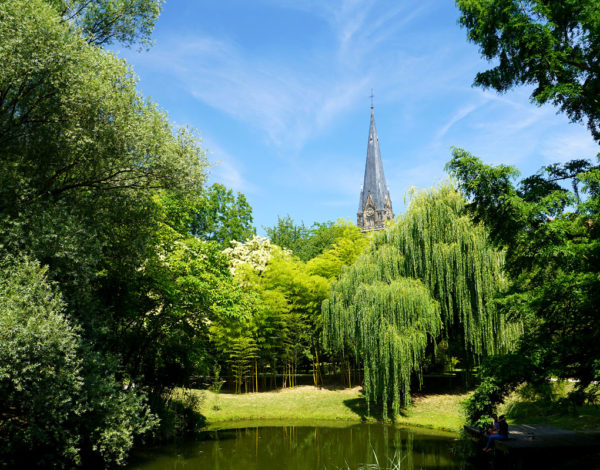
x: 309, y: 447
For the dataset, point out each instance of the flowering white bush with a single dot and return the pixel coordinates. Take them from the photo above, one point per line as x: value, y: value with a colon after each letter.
x: 254, y: 252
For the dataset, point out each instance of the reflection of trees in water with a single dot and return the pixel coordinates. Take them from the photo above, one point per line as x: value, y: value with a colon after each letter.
x: 291, y: 447
x: 349, y: 448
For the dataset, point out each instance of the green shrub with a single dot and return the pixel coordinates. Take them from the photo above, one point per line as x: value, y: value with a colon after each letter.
x: 40, y: 370
x: 61, y: 403
x: 499, y: 376
x: 115, y: 414
x: 178, y: 414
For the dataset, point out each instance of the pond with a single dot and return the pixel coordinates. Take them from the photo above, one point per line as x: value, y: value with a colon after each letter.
x: 302, y: 446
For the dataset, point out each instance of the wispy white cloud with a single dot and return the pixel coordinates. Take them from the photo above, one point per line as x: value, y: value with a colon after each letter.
x: 291, y: 100
x: 287, y: 98
x: 365, y: 27
x: 457, y: 116
x: 508, y: 129
x: 286, y: 105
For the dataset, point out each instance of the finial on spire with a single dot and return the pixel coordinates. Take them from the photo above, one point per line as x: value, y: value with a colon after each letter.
x: 372, y: 95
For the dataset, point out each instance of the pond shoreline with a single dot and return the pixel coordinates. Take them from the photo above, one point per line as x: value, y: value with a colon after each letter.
x: 319, y: 405
x: 337, y: 424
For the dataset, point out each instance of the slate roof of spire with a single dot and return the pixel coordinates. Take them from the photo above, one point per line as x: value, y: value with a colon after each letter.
x: 374, y: 182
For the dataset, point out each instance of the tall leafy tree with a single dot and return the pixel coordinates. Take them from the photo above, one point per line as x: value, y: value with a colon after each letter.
x: 102, y: 22
x: 548, y: 44
x: 62, y: 405
x: 287, y: 234
x: 324, y: 235
x: 432, y: 275
x: 85, y: 161
x: 283, y: 324
x: 186, y: 285
x: 82, y: 151
x: 336, y: 245
x: 548, y: 231
x: 553, y: 256
x: 221, y: 216
x: 308, y: 242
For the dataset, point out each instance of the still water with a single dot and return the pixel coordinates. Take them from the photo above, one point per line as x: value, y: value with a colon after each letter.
x: 303, y: 447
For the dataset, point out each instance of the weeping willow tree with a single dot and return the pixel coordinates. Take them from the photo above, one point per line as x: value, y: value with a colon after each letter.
x: 430, y: 276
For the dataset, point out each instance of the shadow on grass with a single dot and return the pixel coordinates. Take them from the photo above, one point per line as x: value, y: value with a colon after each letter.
x: 359, y: 406
x: 375, y: 411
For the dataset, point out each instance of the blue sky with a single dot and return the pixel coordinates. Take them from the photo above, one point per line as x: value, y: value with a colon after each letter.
x: 279, y: 91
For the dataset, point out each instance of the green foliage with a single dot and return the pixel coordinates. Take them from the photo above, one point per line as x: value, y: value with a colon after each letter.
x: 82, y: 152
x: 323, y: 236
x: 499, y: 375
x: 286, y: 234
x: 307, y: 243
x: 178, y: 414
x: 188, y: 283
x: 40, y: 370
x: 432, y: 272
x: 77, y: 110
x: 99, y: 187
x: 553, y: 256
x: 104, y: 21
x: 550, y: 45
x: 222, y: 217
x: 339, y: 245
x: 550, y: 233
x: 551, y: 403
x: 278, y: 325
x: 280, y: 308
x: 116, y: 414
x: 303, y: 293
x: 61, y: 402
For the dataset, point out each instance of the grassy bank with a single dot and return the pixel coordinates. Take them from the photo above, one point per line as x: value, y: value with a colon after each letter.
x: 305, y: 402
x: 443, y: 411
x: 343, y: 406
x: 309, y: 403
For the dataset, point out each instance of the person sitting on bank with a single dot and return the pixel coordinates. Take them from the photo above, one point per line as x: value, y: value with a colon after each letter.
x: 502, y: 434
x: 495, y: 427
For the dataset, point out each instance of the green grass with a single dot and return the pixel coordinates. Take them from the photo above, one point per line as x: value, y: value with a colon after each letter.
x: 340, y: 407
x: 443, y: 411
x: 299, y: 403
x: 310, y: 404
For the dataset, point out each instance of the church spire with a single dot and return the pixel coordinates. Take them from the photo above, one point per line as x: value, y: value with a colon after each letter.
x: 375, y: 205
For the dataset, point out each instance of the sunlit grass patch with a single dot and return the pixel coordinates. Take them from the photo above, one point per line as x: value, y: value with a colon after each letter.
x: 304, y: 402
x: 441, y: 411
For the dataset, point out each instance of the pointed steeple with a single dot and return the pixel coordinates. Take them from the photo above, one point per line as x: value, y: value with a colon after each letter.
x: 375, y: 202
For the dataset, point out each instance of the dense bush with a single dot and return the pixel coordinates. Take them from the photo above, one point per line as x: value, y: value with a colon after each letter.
x: 61, y: 403
x: 499, y: 376
x: 178, y: 413
x: 40, y: 369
